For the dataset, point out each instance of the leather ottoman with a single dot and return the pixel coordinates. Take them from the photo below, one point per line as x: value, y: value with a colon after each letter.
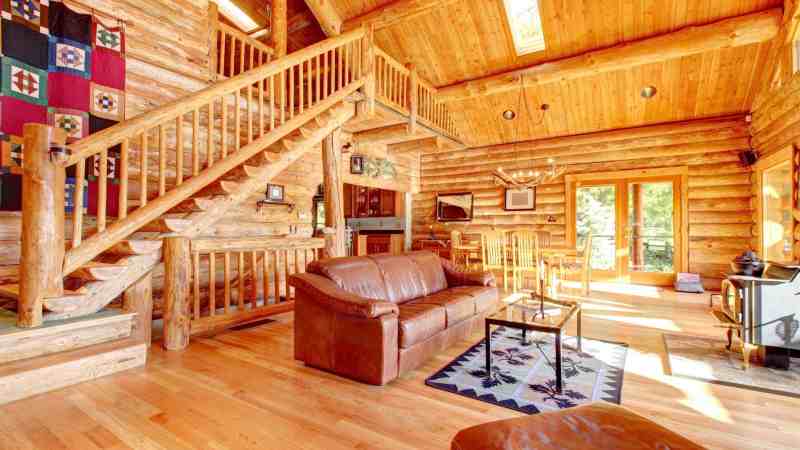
x: 595, y: 426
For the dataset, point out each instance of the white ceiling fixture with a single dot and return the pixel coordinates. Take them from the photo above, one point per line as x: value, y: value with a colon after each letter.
x: 235, y: 14
x: 525, y: 23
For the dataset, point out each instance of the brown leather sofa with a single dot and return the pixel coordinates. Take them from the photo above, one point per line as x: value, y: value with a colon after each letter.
x: 596, y: 426
x: 372, y: 318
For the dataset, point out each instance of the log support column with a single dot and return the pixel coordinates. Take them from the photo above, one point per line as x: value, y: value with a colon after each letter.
x: 139, y: 299
x: 214, y: 65
x: 369, y: 80
x: 42, y: 240
x: 280, y: 27
x: 413, y: 104
x: 177, y: 316
x: 334, y: 194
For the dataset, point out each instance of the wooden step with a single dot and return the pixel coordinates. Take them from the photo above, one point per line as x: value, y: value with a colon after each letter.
x: 67, y: 302
x: 219, y: 187
x: 194, y: 204
x: 133, y: 247
x: 166, y: 225
x: 98, y: 271
x: 241, y: 172
x: 265, y: 157
x: 25, y: 378
x: 61, y: 335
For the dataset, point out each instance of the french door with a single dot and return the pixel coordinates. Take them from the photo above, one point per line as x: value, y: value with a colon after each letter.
x: 636, y: 222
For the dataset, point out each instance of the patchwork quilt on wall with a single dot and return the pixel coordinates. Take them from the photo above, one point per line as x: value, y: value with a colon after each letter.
x: 62, y: 68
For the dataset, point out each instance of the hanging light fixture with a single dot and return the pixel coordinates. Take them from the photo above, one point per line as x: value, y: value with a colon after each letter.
x: 532, y: 177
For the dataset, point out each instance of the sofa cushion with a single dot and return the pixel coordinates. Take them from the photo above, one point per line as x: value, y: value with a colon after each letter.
x: 419, y: 322
x: 357, y: 275
x: 402, y: 277
x: 459, y: 306
x: 485, y: 296
x: 430, y: 265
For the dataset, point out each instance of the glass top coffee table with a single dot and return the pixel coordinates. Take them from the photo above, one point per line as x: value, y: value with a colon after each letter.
x: 536, y: 313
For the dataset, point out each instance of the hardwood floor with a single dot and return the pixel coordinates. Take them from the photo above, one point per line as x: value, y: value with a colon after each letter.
x: 243, y: 389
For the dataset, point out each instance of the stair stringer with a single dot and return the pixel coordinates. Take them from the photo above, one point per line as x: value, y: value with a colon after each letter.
x: 201, y: 222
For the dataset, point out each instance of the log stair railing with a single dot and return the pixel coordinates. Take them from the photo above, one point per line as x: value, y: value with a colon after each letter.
x: 182, y: 165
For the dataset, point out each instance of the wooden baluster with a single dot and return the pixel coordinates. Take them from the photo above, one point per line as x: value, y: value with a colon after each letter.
x: 230, y: 57
x: 162, y: 160
x: 283, y: 96
x: 252, y: 57
x: 221, y: 62
x: 253, y: 280
x: 241, y: 272
x: 195, y: 142
x: 196, y: 276
x: 241, y: 58
x: 291, y: 92
x: 265, y: 275
x: 249, y: 113
x: 300, y: 86
x: 179, y: 150
x: 286, y: 273
x: 210, y: 133
x: 318, y: 77
x: 237, y: 120
x: 271, y: 102
x: 123, y: 179
x: 276, y: 276
x: 309, y: 84
x: 212, y: 284
x: 224, y: 128
x: 143, y: 171
x: 226, y: 269
x: 325, y: 76
x: 77, y: 212
x: 296, y: 260
x: 102, y: 190
x: 261, y: 87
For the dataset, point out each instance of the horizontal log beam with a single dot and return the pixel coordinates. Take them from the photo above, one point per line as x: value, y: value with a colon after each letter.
x: 392, y: 134
x: 386, y: 15
x: 326, y: 15
x: 734, y: 32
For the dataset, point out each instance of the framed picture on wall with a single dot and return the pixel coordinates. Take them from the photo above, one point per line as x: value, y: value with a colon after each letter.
x: 274, y: 193
x: 520, y: 199
x: 357, y: 164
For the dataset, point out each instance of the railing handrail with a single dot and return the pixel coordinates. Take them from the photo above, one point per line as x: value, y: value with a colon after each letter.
x: 130, y: 128
x: 246, y: 38
x: 210, y: 244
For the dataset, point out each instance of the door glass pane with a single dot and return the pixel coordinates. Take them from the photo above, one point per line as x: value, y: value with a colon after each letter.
x: 596, y: 214
x: 651, y: 238
x: 776, y: 200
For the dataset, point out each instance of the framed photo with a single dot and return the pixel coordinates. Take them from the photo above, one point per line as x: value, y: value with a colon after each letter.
x: 520, y: 199
x: 455, y: 207
x: 357, y: 165
x: 274, y: 193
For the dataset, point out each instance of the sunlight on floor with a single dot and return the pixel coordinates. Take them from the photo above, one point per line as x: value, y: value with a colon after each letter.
x: 660, y: 324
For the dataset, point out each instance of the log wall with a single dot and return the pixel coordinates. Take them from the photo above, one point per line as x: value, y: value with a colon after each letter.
x: 719, y: 193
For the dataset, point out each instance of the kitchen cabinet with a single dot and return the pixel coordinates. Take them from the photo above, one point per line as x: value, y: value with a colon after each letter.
x: 362, y: 201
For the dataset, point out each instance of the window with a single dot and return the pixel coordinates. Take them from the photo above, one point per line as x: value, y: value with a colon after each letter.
x: 526, y: 25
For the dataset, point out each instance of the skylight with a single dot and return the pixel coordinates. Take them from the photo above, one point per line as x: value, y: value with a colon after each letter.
x: 235, y: 14
x: 526, y: 25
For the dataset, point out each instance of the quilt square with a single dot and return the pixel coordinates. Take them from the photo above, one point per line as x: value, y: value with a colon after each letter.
x: 111, y: 167
x: 107, y: 102
x: 25, y: 45
x: 69, y: 194
x: 23, y: 112
x: 74, y: 122
x: 111, y: 38
x: 68, y: 91
x: 66, y: 23
x: 70, y: 57
x: 11, y: 153
x: 24, y: 82
x: 31, y: 13
x: 108, y: 68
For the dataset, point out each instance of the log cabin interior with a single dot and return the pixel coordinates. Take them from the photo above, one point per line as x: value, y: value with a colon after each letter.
x: 466, y: 224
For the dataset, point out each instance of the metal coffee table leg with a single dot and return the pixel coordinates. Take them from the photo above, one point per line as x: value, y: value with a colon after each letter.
x: 558, y: 363
x: 488, y: 350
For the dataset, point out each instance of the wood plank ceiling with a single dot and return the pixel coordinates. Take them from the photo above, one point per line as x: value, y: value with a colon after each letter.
x: 469, y: 39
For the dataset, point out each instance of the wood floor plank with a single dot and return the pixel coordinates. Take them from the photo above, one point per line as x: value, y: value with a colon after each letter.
x: 244, y: 389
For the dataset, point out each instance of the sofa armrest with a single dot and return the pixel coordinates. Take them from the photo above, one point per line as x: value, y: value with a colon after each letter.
x: 458, y: 278
x: 327, y: 294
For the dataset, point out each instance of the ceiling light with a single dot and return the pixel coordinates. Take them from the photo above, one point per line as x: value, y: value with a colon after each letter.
x: 509, y: 114
x: 236, y: 15
x: 649, y: 91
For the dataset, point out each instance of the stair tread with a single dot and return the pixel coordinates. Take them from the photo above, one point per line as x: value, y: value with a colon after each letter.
x: 12, y: 291
x: 131, y: 247
x: 98, y: 271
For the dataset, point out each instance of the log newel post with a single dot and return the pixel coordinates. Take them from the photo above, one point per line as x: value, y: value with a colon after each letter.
x: 213, y: 42
x: 177, y: 318
x: 334, y: 194
x: 369, y: 81
x: 42, y: 252
x: 138, y: 298
x: 413, y: 103
x: 280, y: 28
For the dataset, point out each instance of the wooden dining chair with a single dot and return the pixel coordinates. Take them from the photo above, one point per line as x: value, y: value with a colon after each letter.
x: 461, y: 251
x: 526, y: 258
x: 494, y: 250
x: 579, y: 265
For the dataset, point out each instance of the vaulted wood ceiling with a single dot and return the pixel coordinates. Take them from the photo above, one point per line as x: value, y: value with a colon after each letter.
x: 462, y: 40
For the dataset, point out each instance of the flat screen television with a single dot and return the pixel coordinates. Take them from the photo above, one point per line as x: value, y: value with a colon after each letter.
x: 455, y: 207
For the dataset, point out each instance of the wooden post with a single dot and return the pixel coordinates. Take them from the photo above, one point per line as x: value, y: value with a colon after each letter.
x: 177, y: 318
x: 280, y: 28
x: 413, y: 104
x: 213, y: 42
x: 138, y: 298
x: 42, y: 237
x: 637, y: 227
x: 408, y: 220
x: 369, y: 81
x: 334, y: 193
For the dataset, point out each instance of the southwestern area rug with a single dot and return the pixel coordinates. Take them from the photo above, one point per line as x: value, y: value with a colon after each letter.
x: 707, y: 359
x: 523, y: 375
